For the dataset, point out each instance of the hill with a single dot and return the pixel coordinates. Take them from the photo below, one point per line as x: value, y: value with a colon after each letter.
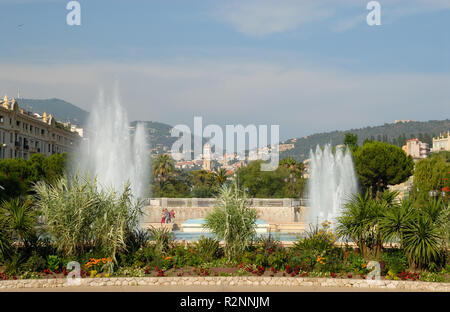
x: 60, y: 109
x: 395, y: 133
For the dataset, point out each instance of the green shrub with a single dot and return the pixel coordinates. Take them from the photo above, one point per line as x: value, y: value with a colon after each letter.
x: 395, y: 261
x: 261, y: 259
x: 35, y: 263
x: 233, y: 221
x: 53, y: 262
x: 318, y: 240
x: 305, y: 260
x: 438, y: 277
x: 268, y: 244
x: 277, y: 260
x: 163, y: 239
x: 354, y: 262
x: 79, y: 217
x: 145, y: 255
x: 248, y: 257
x: 334, y: 261
x: 208, y: 249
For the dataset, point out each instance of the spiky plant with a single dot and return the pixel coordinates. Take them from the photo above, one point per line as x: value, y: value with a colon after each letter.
x: 19, y: 218
x: 78, y: 216
x: 232, y: 220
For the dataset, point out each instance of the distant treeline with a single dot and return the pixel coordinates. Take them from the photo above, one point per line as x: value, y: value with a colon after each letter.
x: 395, y: 134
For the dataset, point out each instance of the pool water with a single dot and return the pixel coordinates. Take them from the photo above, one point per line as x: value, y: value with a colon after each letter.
x: 286, y: 237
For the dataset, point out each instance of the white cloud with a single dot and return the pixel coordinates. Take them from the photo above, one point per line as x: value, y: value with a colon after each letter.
x: 265, y: 17
x: 303, y: 100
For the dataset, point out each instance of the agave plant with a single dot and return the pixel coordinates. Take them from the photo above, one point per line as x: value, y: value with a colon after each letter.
x: 232, y: 220
x: 19, y: 218
x: 422, y: 242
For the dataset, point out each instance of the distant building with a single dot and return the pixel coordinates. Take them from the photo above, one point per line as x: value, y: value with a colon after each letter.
x: 442, y: 142
x: 24, y: 133
x: 416, y: 149
x: 403, y: 121
x: 207, y: 157
x: 285, y: 147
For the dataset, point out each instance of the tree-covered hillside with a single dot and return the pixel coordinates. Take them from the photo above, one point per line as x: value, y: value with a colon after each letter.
x: 396, y: 134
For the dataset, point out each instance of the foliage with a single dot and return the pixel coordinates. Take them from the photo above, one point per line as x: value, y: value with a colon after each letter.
x: 208, y: 249
x: 437, y: 277
x: 19, y: 217
x: 394, y: 261
x: 271, y: 184
x: 18, y: 175
x: 394, y: 133
x: 53, y: 262
x: 381, y: 164
x: 351, y: 140
x: 35, y: 263
x: 431, y: 174
x: 422, y: 242
x: 232, y: 220
x: 78, y: 216
x: 163, y: 239
x: 360, y: 221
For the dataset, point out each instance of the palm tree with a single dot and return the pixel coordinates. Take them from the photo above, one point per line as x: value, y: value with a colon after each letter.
x: 395, y: 220
x: 292, y: 165
x: 360, y: 221
x: 221, y: 176
x: 163, y: 166
x: 422, y: 242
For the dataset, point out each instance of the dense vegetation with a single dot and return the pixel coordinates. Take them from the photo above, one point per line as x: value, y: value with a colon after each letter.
x: 17, y: 176
x: 286, y: 181
x: 395, y: 134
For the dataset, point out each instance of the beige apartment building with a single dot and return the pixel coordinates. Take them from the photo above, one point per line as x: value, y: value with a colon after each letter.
x: 442, y: 142
x: 416, y: 149
x: 24, y: 133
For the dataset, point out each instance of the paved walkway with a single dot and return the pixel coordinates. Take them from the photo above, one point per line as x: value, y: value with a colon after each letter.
x: 202, y: 289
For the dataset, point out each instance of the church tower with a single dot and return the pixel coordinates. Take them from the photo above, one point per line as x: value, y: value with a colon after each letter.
x: 207, y: 158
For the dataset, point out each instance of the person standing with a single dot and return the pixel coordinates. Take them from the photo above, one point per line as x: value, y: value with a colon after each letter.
x: 167, y: 216
x: 163, y: 216
x: 172, y: 215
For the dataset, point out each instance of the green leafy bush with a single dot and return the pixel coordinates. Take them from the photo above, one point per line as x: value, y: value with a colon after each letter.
x: 208, y: 249
x: 233, y: 221
x: 163, y: 239
x: 53, y: 262
x: 395, y: 261
x: 79, y: 217
x: 36, y: 263
x: 277, y: 260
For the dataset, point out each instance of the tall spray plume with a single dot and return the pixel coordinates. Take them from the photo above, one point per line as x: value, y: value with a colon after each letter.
x: 112, y: 153
x: 331, y: 183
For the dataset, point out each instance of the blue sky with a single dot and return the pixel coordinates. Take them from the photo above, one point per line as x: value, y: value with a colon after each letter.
x: 310, y: 66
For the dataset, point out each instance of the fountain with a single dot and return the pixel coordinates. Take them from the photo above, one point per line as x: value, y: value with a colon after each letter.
x: 112, y: 153
x: 332, y: 181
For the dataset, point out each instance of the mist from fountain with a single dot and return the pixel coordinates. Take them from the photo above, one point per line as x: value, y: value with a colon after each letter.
x: 111, y: 153
x: 332, y: 181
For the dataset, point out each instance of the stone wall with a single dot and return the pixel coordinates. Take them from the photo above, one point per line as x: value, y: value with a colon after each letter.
x: 229, y: 281
x: 283, y: 210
